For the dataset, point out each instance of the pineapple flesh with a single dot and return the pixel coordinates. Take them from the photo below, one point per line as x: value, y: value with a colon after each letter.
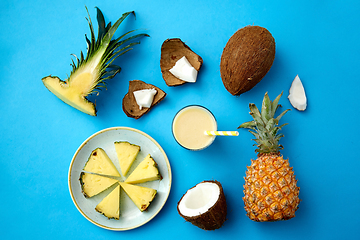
x: 92, y: 184
x: 100, y: 174
x: 270, y: 190
x: 126, y: 153
x: 146, y: 171
x: 100, y: 163
x: 110, y: 205
x: 89, y: 73
x: 141, y: 196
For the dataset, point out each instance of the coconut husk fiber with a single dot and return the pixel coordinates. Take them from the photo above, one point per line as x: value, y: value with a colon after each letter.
x: 246, y: 58
x: 171, y: 51
x: 215, y: 217
x: 129, y: 105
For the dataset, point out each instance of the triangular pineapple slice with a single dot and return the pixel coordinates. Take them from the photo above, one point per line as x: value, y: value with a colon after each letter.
x: 141, y: 196
x: 110, y: 205
x: 126, y: 153
x: 146, y: 171
x: 92, y: 184
x: 100, y: 163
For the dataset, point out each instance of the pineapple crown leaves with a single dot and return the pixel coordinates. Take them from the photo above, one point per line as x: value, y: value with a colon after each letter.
x: 112, y: 48
x: 265, y: 126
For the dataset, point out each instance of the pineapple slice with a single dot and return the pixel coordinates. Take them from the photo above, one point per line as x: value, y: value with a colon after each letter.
x: 126, y: 153
x: 141, y: 196
x: 146, y: 171
x: 92, y: 184
x: 100, y: 163
x: 110, y: 205
x: 89, y: 74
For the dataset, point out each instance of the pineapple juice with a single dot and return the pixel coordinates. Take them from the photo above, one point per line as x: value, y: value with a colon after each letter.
x: 189, y: 125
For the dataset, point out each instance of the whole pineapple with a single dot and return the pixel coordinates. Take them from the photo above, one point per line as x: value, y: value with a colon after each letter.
x: 270, y: 189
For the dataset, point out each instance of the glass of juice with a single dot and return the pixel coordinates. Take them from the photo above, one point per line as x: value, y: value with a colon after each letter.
x: 189, y: 125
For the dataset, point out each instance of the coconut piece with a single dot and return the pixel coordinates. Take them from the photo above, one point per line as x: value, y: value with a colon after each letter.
x: 297, y: 96
x: 246, y: 58
x: 145, y: 97
x: 184, y: 70
x: 204, y: 205
x: 129, y: 104
x: 173, y: 50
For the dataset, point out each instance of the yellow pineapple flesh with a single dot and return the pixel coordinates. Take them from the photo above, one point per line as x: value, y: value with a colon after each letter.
x: 270, y: 190
x: 100, y: 163
x: 146, y: 171
x: 126, y: 153
x: 92, y: 184
x: 141, y: 196
x: 110, y: 205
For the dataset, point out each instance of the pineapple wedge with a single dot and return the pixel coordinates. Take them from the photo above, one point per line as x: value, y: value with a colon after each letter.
x: 146, y: 171
x: 90, y: 73
x: 141, y: 196
x: 126, y: 153
x: 92, y: 184
x: 110, y: 205
x: 100, y: 163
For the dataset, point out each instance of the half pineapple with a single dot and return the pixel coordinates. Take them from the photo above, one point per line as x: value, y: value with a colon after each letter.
x: 146, y: 171
x: 89, y: 73
x: 270, y: 189
x: 110, y: 205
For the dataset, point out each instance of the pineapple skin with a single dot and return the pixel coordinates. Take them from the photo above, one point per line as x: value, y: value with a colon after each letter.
x: 270, y: 190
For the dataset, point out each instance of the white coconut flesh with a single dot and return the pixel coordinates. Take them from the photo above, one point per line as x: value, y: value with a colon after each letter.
x: 184, y: 70
x: 145, y: 97
x: 297, y: 95
x: 199, y: 199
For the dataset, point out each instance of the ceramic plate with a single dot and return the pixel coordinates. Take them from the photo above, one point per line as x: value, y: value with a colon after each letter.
x: 130, y: 216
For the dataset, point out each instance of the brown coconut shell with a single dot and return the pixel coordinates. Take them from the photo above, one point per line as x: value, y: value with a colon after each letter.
x: 171, y: 51
x: 129, y: 105
x: 214, y: 218
x: 246, y: 58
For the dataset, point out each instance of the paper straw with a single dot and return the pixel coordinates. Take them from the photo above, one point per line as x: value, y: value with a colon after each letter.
x: 222, y: 133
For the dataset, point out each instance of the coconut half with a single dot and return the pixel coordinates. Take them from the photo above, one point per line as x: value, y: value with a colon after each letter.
x: 204, y: 205
x: 172, y: 50
x: 297, y: 96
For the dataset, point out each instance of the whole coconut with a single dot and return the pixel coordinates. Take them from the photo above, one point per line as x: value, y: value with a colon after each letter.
x: 247, y: 57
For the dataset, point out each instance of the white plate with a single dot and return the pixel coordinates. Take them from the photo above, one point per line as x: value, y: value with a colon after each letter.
x: 130, y: 216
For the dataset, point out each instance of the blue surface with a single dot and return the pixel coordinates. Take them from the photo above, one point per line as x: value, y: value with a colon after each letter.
x: 319, y: 40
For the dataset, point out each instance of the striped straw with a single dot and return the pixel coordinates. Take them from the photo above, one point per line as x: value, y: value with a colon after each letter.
x: 222, y: 133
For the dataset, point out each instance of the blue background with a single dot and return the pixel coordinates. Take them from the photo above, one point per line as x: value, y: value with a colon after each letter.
x: 319, y: 40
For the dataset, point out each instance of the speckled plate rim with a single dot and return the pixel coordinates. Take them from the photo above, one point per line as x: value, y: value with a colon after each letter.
x: 167, y: 166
